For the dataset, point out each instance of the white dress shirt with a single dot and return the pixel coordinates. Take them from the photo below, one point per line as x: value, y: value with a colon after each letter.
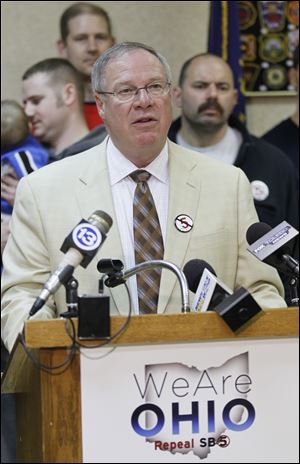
x: 123, y: 188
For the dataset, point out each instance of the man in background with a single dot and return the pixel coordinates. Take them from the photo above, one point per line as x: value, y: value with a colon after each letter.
x: 53, y: 95
x: 85, y: 33
x: 286, y: 134
x: 206, y: 96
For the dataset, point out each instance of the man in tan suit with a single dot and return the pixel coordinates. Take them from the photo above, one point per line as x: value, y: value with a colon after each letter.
x: 132, y: 87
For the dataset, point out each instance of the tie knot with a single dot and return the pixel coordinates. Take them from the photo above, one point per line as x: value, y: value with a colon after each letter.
x: 140, y: 175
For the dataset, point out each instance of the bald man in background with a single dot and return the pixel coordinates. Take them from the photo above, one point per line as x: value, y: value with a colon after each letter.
x: 206, y: 97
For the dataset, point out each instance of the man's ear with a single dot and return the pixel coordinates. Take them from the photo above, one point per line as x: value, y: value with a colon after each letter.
x: 100, y: 105
x: 176, y: 94
x: 61, y: 48
x: 69, y: 94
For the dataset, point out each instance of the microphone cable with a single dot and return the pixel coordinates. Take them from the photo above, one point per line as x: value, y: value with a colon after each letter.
x: 104, y: 342
x: 53, y: 370
x: 75, y: 345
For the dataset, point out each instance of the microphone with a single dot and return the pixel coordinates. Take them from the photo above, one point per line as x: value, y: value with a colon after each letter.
x: 116, y: 277
x: 211, y: 294
x: 274, y: 246
x: 209, y: 290
x: 80, y: 246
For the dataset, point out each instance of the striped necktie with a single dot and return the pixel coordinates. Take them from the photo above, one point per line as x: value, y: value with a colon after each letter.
x: 148, y: 243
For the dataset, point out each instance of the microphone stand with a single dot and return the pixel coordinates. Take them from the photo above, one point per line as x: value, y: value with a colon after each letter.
x: 120, y: 277
x: 293, y: 283
x: 71, y: 298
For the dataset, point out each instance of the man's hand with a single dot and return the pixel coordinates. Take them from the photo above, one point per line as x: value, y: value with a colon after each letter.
x: 9, y: 182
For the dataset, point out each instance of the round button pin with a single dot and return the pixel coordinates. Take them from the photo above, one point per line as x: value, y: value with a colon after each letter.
x: 260, y: 190
x: 183, y: 223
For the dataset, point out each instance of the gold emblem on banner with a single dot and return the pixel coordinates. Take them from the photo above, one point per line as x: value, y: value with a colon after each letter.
x: 272, y: 15
x: 247, y: 15
x: 273, y: 47
x: 250, y: 74
x: 275, y: 77
x: 292, y: 13
x: 248, y: 47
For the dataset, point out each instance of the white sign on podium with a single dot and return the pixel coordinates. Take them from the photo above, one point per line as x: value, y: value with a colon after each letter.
x: 210, y: 402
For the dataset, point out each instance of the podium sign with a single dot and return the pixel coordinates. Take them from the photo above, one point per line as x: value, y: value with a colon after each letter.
x: 225, y: 401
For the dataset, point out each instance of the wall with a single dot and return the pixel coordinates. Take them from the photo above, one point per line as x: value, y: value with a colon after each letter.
x: 177, y: 29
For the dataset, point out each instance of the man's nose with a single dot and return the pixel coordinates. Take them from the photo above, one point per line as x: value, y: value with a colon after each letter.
x: 92, y: 44
x: 29, y: 109
x: 212, y: 91
x: 142, y: 97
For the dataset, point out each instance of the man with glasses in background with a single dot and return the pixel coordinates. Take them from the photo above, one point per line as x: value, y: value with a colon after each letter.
x: 166, y: 202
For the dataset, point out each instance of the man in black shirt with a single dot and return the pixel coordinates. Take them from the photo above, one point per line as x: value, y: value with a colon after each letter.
x: 206, y: 96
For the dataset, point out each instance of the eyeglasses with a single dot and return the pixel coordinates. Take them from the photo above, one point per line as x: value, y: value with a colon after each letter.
x: 155, y: 89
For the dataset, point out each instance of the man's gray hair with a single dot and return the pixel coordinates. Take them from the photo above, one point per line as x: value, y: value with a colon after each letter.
x: 98, y: 71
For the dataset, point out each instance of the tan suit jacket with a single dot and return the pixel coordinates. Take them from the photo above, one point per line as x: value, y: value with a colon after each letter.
x: 51, y: 201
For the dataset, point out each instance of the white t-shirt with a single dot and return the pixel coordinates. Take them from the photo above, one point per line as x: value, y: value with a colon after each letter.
x: 226, y: 150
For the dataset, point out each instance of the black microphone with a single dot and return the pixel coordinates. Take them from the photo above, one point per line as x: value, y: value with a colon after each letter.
x: 274, y: 246
x: 80, y: 246
x: 202, y: 280
x: 211, y: 294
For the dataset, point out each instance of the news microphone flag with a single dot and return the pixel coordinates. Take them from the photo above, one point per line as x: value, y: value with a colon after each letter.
x: 274, y: 246
x: 236, y: 309
x: 210, y: 292
x: 224, y: 41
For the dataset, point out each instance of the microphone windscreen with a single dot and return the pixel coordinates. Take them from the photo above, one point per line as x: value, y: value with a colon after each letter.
x: 193, y: 271
x: 256, y: 231
x: 102, y: 220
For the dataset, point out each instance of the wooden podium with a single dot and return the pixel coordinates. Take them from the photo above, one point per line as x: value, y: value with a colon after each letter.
x: 49, y: 406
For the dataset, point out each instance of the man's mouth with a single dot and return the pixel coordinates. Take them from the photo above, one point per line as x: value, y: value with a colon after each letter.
x: 211, y: 109
x: 144, y: 121
x: 89, y: 61
x: 35, y: 124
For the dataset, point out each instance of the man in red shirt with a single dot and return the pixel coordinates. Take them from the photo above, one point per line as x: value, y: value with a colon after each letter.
x: 85, y: 33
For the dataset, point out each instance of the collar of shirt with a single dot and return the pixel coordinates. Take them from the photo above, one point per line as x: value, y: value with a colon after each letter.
x: 120, y: 167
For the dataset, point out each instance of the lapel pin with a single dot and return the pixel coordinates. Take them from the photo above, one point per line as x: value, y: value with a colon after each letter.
x: 183, y: 223
x: 260, y: 190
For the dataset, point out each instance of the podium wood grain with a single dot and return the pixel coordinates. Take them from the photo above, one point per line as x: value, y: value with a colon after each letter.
x: 168, y: 328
